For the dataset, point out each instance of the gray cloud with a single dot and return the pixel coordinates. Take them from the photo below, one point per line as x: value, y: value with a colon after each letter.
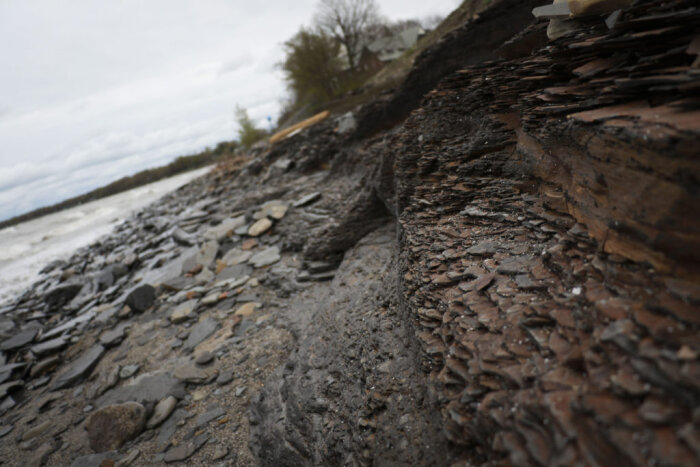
x: 93, y: 91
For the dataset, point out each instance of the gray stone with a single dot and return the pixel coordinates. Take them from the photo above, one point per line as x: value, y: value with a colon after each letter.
x: 129, y: 459
x: 40, y: 454
x: 232, y: 283
x: 483, y: 248
x: 236, y: 256
x: 4, y: 430
x: 204, y: 358
x: 10, y: 387
x: 146, y: 389
x: 211, y: 299
x: 77, y: 322
x: 346, y: 123
x: 228, y: 226
x: 128, y: 371
x: 191, y: 373
x: 184, y: 311
x: 50, y: 346
x: 185, y: 450
x: 273, y: 209
x: 266, y: 257
x: 7, y: 404
x: 92, y: 460
x: 168, y: 428
x: 207, y: 253
x: 59, y: 296
x: 201, y: 331
x: 525, y: 282
x: 224, y: 378
x: 141, y: 298
x: 208, y: 416
x: 162, y: 411
x: 19, y: 340
x: 110, y: 427
x: 240, y: 390
x: 38, y: 430
x: 554, y: 11
x: 515, y: 265
x: 6, y: 370
x: 219, y: 453
x: 177, y: 283
x: 308, y: 199
x: 114, y: 336
x: 181, y: 237
x: 260, y: 227
x: 204, y: 276
x: 235, y: 272
x: 80, y: 368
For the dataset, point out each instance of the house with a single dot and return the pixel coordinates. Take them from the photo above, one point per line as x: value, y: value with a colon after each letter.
x: 375, y: 53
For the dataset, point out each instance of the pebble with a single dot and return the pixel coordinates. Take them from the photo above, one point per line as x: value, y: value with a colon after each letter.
x: 236, y: 256
x: 200, y: 332
x: 128, y: 371
x: 186, y: 450
x: 208, y: 416
x: 129, y: 459
x: 184, y: 311
x: 190, y: 373
x: 211, y: 299
x: 162, y: 411
x: 260, y: 227
x: 308, y: 199
x: 38, y: 430
x: 204, y: 358
x: 4, y: 430
x: 114, y: 336
x: 246, y: 309
x: 207, y: 253
x: 266, y: 257
x: 219, y: 453
x: 240, y: 390
x: 224, y: 378
x: 249, y: 244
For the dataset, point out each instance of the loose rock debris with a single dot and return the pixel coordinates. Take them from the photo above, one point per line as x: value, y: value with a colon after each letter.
x: 509, y: 276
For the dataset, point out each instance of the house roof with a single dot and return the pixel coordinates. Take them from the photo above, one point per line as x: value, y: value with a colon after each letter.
x: 388, y: 47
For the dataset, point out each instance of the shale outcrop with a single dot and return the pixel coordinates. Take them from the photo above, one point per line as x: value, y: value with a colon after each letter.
x: 501, y: 271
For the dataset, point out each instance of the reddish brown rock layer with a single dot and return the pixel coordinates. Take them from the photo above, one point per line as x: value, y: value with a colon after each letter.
x: 525, y: 187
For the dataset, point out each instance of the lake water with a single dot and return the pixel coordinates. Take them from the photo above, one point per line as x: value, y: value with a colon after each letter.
x: 26, y: 248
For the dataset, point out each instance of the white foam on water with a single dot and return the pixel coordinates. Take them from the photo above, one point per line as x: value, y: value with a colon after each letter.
x: 26, y: 248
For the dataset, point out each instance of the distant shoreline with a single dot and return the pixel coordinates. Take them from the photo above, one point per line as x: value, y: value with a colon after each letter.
x: 144, y: 177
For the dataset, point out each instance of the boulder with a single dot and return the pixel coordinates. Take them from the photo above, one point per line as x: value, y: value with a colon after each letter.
x: 110, y: 427
x: 141, y: 298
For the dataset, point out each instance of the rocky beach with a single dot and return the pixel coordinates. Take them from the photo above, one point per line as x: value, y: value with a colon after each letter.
x: 495, y: 263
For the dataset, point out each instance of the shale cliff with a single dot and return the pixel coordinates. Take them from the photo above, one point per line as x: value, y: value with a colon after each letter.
x: 494, y: 264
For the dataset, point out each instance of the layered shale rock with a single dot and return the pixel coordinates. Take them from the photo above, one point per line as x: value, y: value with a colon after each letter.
x: 547, y: 207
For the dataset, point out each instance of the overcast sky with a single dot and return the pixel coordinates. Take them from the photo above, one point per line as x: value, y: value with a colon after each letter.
x: 94, y: 90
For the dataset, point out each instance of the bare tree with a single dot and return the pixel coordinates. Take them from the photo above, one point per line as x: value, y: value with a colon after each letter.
x: 346, y: 21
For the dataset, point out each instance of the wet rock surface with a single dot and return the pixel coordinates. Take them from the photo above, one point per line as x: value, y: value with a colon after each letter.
x: 497, y: 280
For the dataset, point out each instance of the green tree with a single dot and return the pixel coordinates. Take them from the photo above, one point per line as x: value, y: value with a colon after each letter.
x: 248, y: 133
x: 311, y: 66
